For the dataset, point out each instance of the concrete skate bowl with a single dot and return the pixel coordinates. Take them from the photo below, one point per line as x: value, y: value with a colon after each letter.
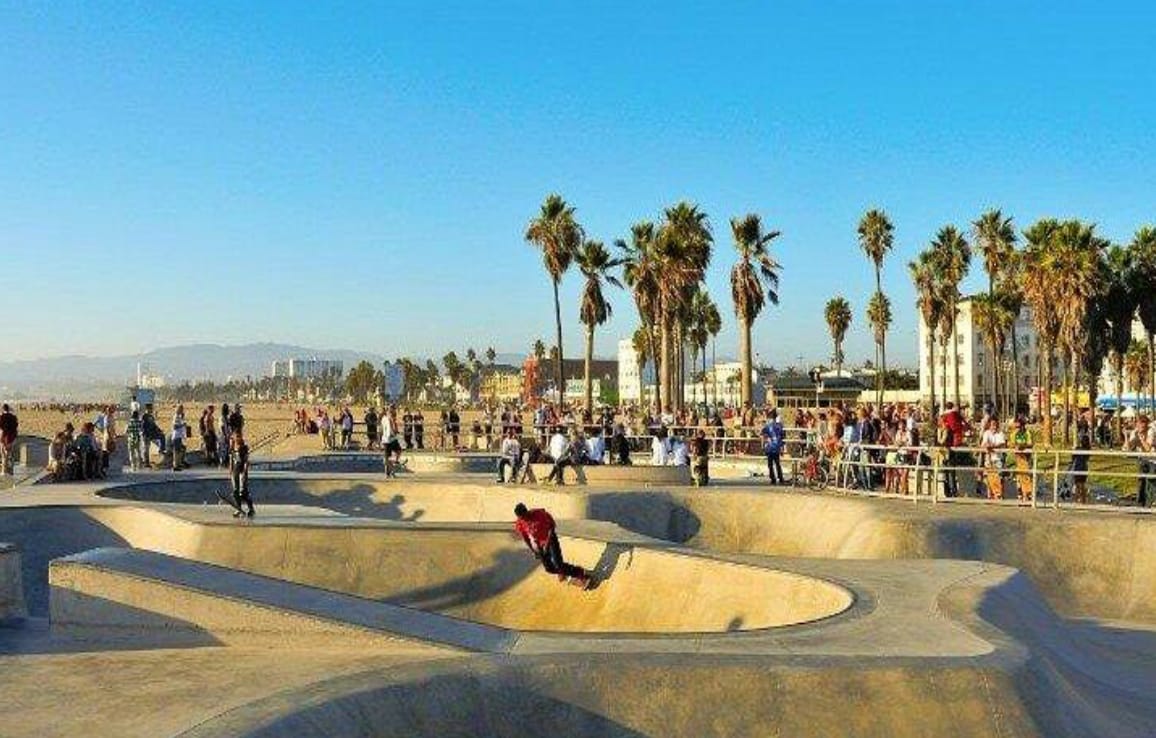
x: 1086, y: 565
x: 485, y: 575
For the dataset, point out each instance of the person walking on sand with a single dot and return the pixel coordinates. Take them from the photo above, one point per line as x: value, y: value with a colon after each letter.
x: 538, y: 530
x: 239, y: 473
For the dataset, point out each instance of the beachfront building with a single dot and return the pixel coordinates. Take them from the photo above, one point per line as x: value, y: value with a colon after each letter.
x: 501, y: 383
x: 538, y: 379
x: 312, y: 368
x: 635, y: 383
x: 968, y: 351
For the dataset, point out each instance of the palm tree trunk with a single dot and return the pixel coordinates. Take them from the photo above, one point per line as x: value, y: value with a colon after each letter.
x: 931, y: 376
x: 714, y: 374
x: 943, y: 379
x: 745, y: 360
x: 559, y: 386
x: 1151, y: 371
x: 883, y: 371
x: 1047, y: 393
x: 665, y: 367
x: 1068, y: 368
x: 1117, y: 420
x: 703, y: 349
x: 1015, y: 375
x: 589, y: 362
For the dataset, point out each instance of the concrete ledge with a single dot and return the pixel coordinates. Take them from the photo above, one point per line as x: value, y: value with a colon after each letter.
x: 605, y: 474
x: 12, y: 607
x: 115, y: 588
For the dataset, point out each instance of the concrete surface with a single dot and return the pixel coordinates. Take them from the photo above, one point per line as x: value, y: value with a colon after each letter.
x: 637, y: 476
x: 927, y: 644
x: 12, y: 607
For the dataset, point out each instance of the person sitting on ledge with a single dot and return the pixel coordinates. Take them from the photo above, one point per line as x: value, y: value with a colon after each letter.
x: 510, y: 455
x: 595, y: 447
x: 620, y: 446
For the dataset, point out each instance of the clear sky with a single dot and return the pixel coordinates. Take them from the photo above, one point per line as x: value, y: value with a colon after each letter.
x: 360, y: 176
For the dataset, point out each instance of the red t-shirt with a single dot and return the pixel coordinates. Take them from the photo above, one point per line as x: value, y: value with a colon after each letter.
x: 537, y: 526
x: 955, y: 426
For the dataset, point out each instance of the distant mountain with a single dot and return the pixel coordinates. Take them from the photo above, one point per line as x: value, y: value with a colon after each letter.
x: 176, y: 363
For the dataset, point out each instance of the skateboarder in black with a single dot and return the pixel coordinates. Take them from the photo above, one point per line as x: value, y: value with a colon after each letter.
x: 538, y: 531
x: 239, y: 470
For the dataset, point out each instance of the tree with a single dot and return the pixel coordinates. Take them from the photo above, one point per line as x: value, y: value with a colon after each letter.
x: 491, y: 355
x: 929, y: 301
x: 705, y: 322
x: 876, y: 238
x: 1136, y: 366
x: 557, y: 234
x: 953, y: 255
x: 754, y: 281
x: 994, y: 317
x: 642, y: 272
x: 595, y: 264
x: 1036, y: 280
x: 838, y: 317
x: 684, y: 249
x: 539, y: 350
x: 642, y: 342
x: 1143, y: 249
x: 995, y: 238
x: 879, y: 318
x: 363, y: 382
x: 1119, y: 306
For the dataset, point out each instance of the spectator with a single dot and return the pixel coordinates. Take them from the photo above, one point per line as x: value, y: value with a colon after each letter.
x: 596, y: 446
x: 510, y: 455
x: 1080, y: 456
x: 370, y: 428
x: 208, y: 430
x: 152, y: 434
x: 993, y: 442
x: 560, y: 454
x: 1021, y: 442
x: 1141, y: 440
x: 660, y: 447
x: 700, y: 453
x: 953, y: 429
x: 225, y: 437
x: 774, y: 437
x: 133, y: 436
x: 180, y: 434
x: 419, y: 429
x: 9, y: 430
x: 57, y: 455
x: 346, y: 428
x: 620, y: 445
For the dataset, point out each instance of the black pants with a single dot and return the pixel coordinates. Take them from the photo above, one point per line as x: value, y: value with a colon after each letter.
x: 775, y: 468
x: 1145, y: 468
x: 419, y: 436
x: 557, y: 471
x: 702, y: 473
x: 553, y: 562
x: 515, y: 467
x: 241, y: 489
x: 950, y: 480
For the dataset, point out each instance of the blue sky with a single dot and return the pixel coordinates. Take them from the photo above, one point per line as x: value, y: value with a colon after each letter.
x: 360, y: 176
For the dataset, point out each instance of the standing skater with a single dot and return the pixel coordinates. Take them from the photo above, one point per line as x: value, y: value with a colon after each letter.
x: 239, y: 471
x: 538, y: 531
x: 389, y: 442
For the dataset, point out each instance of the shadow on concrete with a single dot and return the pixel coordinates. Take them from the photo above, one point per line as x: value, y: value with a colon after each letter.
x: 505, y: 570
x: 496, y: 704
x: 609, y: 561
x: 655, y: 514
x: 125, y: 628
x: 1111, y: 669
x: 46, y: 533
x: 355, y: 499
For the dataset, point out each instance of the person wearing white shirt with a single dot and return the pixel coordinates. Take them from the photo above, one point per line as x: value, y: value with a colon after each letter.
x: 560, y: 452
x: 1142, y: 441
x: 511, y: 456
x: 678, y: 453
x: 389, y: 441
x: 659, y: 448
x: 596, y: 447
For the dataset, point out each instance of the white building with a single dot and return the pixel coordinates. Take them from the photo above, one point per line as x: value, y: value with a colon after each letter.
x: 968, y: 351
x: 311, y: 368
x: 631, y: 377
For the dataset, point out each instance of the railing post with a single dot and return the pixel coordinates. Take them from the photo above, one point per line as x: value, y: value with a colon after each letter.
x: 918, y: 478
x: 935, y: 459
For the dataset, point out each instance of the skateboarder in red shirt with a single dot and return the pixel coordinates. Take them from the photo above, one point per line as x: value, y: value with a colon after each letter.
x: 537, y: 530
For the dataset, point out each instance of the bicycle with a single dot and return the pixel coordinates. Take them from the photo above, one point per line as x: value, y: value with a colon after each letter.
x: 814, y: 472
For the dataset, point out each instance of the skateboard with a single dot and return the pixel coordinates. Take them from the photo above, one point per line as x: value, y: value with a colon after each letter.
x: 227, y: 498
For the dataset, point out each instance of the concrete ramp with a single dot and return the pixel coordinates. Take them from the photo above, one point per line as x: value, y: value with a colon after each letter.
x: 142, y: 591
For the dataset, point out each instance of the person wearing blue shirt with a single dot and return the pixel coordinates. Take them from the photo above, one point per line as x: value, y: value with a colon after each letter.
x: 773, y: 437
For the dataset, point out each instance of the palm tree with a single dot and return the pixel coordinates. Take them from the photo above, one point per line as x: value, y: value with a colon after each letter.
x: 594, y: 262
x: 491, y: 355
x: 642, y: 272
x: 994, y: 318
x: 879, y: 318
x: 754, y: 280
x: 1136, y: 367
x: 556, y: 232
x: 1119, y: 305
x: 838, y: 316
x: 684, y: 247
x: 1143, y: 248
x: 705, y: 322
x: 953, y: 255
x: 642, y: 341
x: 995, y: 237
x: 929, y: 300
x: 1038, y: 291
x: 876, y: 238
